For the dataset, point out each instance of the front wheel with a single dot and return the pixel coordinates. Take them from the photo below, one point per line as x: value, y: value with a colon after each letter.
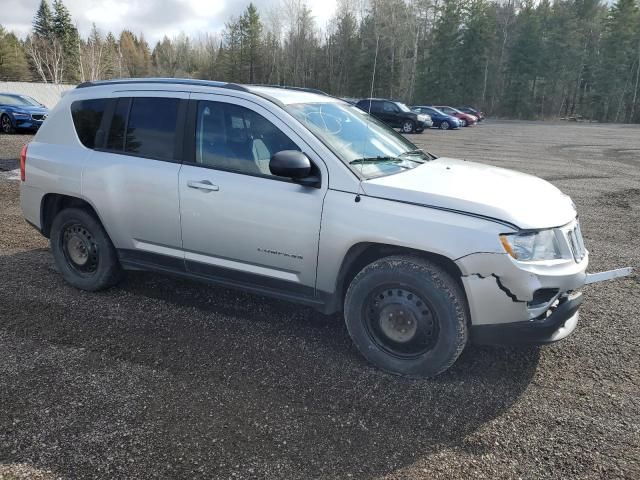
x: 6, y: 125
x: 407, y: 316
x: 83, y: 251
x: 408, y: 127
x: 445, y: 125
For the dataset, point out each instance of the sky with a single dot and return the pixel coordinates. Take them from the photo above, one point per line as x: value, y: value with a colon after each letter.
x: 153, y: 18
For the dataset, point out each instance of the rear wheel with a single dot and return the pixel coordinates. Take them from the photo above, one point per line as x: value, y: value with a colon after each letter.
x: 6, y: 125
x: 407, y: 316
x: 444, y: 125
x: 83, y: 251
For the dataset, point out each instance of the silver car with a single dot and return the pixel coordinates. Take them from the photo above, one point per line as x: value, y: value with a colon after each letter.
x: 302, y: 196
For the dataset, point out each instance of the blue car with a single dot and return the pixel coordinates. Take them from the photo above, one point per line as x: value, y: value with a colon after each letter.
x: 440, y: 119
x: 20, y: 112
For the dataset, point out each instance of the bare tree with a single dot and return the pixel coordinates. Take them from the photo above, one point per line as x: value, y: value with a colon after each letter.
x: 47, y: 57
x: 92, y: 56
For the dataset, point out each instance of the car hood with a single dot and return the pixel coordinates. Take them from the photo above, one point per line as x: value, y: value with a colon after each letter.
x: 517, y: 198
x: 28, y: 109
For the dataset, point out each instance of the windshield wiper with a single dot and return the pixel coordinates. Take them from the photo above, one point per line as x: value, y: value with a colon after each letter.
x: 380, y: 159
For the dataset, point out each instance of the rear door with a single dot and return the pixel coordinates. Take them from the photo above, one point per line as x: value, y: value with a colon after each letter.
x: 240, y: 222
x: 132, y: 175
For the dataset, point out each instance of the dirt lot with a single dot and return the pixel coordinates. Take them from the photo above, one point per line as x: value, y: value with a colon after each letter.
x: 163, y: 378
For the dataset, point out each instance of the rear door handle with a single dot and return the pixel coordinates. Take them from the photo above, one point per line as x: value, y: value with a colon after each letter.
x: 203, y: 185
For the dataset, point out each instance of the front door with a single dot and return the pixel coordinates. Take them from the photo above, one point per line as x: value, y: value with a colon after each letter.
x: 240, y: 222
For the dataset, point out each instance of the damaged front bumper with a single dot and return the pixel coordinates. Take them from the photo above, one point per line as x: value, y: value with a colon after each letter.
x: 559, y: 323
x: 517, y: 302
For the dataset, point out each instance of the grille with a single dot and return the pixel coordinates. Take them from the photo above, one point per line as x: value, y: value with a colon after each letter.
x: 38, y: 116
x: 574, y: 236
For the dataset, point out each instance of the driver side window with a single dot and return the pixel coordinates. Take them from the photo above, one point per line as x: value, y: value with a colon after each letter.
x: 234, y: 138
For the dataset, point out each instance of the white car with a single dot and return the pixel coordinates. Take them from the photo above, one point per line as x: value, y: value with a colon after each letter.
x: 302, y: 196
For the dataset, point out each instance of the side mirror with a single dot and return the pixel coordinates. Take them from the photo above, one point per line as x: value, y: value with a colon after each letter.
x: 294, y: 165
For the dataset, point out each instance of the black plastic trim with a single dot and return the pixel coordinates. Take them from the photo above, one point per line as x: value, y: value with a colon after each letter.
x: 164, y: 81
x: 258, y: 284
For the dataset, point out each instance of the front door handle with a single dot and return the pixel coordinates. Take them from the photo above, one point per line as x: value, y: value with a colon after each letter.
x: 203, y: 185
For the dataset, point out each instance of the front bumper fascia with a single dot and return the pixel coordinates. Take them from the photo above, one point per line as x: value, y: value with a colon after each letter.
x: 560, y: 323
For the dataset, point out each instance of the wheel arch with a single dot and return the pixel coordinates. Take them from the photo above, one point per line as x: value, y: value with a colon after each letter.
x: 53, y: 203
x: 362, y: 254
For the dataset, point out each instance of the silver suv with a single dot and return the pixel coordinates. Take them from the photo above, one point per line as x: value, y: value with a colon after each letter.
x: 302, y: 196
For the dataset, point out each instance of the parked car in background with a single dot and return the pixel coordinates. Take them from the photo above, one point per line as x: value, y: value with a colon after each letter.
x: 20, y: 112
x: 439, y: 119
x: 472, y: 111
x: 395, y: 114
x: 466, y: 120
x: 350, y: 100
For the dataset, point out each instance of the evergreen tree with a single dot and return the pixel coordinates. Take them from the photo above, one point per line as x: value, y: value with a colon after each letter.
x: 524, y: 63
x: 43, y: 20
x: 473, y: 55
x: 620, y: 55
x: 13, y: 60
x: 439, y: 81
x: 67, y: 34
x: 250, y: 31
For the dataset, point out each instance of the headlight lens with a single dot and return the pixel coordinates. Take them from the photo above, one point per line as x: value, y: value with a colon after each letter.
x: 20, y: 115
x: 532, y: 246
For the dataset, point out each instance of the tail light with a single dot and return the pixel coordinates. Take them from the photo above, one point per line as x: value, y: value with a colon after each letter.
x: 23, y: 163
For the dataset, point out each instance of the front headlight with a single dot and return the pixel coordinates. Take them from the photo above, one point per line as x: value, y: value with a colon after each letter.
x: 532, y: 246
x: 21, y: 115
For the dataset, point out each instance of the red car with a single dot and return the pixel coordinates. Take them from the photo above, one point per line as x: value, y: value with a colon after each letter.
x: 466, y: 120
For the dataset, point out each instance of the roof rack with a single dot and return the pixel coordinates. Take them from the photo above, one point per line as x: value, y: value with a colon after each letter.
x: 173, y: 81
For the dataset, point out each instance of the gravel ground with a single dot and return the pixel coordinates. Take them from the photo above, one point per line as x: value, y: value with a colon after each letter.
x: 164, y: 378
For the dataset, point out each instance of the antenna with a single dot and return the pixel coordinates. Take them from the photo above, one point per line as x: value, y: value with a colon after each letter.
x: 373, y: 80
x: 373, y: 75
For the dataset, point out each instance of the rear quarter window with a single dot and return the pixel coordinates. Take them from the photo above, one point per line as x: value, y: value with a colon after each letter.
x: 87, y: 116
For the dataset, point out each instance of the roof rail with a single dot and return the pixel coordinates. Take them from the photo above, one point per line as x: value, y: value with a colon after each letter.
x: 168, y: 81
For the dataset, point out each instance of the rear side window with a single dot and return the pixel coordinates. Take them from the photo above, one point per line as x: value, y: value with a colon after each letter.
x: 144, y: 127
x: 87, y: 116
x: 151, y: 129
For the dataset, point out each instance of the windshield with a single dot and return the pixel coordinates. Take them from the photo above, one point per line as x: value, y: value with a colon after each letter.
x: 18, y: 100
x: 403, y: 107
x: 367, y: 146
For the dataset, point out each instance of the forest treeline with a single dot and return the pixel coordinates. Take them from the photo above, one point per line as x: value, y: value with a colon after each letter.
x: 512, y: 58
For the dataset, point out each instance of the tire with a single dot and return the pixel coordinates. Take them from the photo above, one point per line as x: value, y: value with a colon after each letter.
x: 83, y: 251
x: 444, y: 125
x: 463, y: 122
x: 408, y: 127
x: 429, y: 330
x: 5, y: 124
